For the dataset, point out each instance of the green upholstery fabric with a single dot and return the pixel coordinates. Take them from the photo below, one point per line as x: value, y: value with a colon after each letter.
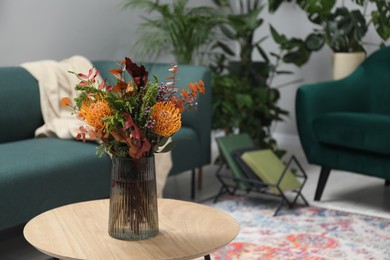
x: 362, y: 131
x: 186, y: 153
x: 43, y: 173
x: 194, y: 150
x: 343, y: 124
x: 20, y: 113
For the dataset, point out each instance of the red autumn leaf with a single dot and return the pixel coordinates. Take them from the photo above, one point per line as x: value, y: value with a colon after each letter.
x: 138, y: 73
x: 117, y: 73
x: 83, y: 76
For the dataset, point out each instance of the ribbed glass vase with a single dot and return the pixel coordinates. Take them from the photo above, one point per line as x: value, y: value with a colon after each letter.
x: 133, y: 211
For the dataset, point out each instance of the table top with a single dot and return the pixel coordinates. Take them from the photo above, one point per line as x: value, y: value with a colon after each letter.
x: 80, y: 231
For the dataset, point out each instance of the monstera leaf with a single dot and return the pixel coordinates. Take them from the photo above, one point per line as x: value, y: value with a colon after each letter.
x: 381, y: 19
x: 345, y: 29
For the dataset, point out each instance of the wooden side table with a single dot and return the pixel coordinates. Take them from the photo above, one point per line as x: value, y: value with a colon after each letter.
x: 80, y: 231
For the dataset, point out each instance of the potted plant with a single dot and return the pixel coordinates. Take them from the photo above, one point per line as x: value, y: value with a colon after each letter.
x: 183, y: 31
x: 242, y: 94
x: 342, y: 29
x: 244, y: 97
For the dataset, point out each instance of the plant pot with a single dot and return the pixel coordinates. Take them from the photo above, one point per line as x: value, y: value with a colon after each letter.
x: 346, y: 63
x: 133, y: 213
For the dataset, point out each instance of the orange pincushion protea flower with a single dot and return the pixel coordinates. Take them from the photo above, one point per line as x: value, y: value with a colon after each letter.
x: 167, y: 118
x: 93, y: 113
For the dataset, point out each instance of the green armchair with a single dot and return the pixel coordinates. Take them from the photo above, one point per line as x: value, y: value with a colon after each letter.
x: 345, y: 124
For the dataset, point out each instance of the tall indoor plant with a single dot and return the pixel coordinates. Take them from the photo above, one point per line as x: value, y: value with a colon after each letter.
x: 244, y: 97
x: 176, y: 28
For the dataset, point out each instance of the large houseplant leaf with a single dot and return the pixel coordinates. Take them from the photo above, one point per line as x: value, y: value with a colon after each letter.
x: 317, y: 6
x: 297, y: 51
x: 381, y: 19
x: 315, y: 41
x: 344, y: 30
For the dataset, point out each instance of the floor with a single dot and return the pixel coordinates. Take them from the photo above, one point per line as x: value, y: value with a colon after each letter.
x: 344, y: 191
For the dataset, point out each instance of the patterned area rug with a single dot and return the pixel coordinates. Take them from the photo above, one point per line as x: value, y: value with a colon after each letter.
x: 302, y: 233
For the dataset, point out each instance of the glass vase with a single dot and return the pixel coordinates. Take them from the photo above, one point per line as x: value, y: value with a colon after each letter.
x: 133, y: 211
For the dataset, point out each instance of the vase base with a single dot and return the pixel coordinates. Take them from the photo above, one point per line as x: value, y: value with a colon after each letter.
x: 130, y: 236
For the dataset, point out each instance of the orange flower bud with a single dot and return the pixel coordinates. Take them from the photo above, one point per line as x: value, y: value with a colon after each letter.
x: 65, y: 101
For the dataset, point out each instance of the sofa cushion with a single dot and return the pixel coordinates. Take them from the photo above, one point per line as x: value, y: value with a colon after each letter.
x: 43, y: 173
x: 362, y: 131
x: 20, y: 104
x: 185, y: 151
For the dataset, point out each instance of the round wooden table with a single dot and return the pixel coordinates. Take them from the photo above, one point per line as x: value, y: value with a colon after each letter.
x: 80, y: 231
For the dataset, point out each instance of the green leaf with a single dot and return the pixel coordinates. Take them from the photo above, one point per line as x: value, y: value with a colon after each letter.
x: 244, y: 100
x: 284, y: 72
x: 222, y: 3
x: 278, y: 38
x: 317, y: 6
x: 262, y: 53
x: 273, y: 5
x: 298, y: 58
x: 228, y: 32
x: 299, y: 54
x: 225, y: 48
x: 345, y: 29
x: 315, y: 41
x: 360, y: 2
x: 381, y: 19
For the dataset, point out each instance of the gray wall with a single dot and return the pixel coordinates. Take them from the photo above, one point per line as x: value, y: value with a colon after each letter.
x: 98, y: 29
x: 57, y: 29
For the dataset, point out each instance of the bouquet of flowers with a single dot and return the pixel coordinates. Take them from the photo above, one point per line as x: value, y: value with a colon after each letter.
x: 133, y: 117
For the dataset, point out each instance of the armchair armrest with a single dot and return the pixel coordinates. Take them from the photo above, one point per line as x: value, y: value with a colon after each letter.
x: 312, y: 100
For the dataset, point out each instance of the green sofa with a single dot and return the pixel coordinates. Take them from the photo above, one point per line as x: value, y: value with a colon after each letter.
x: 38, y: 174
x: 345, y: 124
